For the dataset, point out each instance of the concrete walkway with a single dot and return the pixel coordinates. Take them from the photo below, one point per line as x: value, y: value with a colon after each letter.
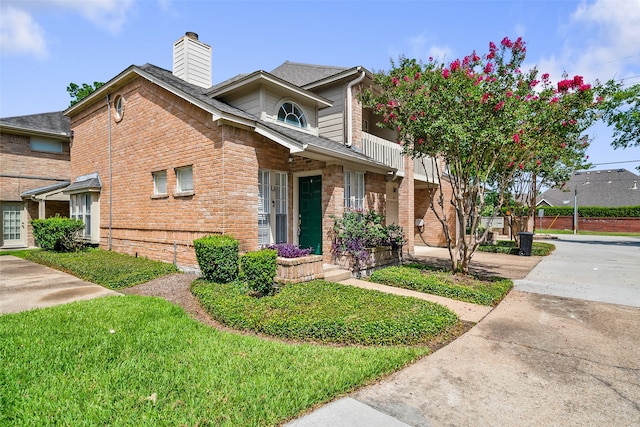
x: 25, y: 285
x: 465, y: 311
x: 535, y: 360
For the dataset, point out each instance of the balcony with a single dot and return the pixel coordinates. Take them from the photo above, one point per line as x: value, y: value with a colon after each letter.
x: 390, y: 153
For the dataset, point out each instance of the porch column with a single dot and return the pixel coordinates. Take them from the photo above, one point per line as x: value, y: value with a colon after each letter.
x: 406, y: 211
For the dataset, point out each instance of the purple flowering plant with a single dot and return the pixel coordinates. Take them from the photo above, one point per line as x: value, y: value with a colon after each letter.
x: 288, y: 250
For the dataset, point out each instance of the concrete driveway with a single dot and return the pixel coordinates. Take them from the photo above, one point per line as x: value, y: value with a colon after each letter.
x: 538, y: 359
x: 25, y: 285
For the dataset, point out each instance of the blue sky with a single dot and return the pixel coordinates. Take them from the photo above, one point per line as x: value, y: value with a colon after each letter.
x: 46, y: 44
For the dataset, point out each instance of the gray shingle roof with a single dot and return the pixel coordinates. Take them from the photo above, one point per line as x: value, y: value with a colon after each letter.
x: 605, y: 187
x: 42, y: 190
x: 55, y: 122
x: 197, y: 92
x: 194, y: 91
x: 304, y: 74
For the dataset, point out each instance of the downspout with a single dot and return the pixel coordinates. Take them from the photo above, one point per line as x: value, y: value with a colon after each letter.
x: 110, y: 172
x: 349, y: 141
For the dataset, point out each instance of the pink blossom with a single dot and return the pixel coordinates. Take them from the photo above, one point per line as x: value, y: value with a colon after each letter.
x: 554, y: 100
x: 506, y: 42
x: 485, y: 97
x: 475, y: 57
x: 413, y: 118
x: 577, y: 81
x: 516, y: 138
x: 534, y: 83
x: 488, y: 68
x: 491, y: 55
x: 537, y: 162
x: 395, y: 81
x: 563, y: 145
x: 521, y: 166
x: 509, y: 94
x: 582, y: 88
x: 417, y: 76
x: 420, y: 141
x: 499, y: 106
x: 545, y: 76
x: 492, y: 46
x: 445, y: 73
x: 510, y: 165
x: 405, y: 78
x: 455, y: 65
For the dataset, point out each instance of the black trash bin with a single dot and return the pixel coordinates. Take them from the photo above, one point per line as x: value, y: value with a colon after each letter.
x: 526, y: 243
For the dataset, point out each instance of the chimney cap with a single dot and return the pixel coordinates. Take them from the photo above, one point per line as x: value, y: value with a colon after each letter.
x: 191, y: 35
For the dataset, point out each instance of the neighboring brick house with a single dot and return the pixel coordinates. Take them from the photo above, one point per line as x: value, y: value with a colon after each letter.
x: 34, y: 168
x: 161, y: 158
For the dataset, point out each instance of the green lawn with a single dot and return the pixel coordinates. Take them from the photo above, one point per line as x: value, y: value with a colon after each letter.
x: 106, y: 268
x: 327, y: 312
x: 430, y: 280
x: 135, y: 360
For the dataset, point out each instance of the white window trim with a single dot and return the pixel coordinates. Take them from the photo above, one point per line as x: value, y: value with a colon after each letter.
x: 273, y: 206
x: 156, y: 175
x: 180, y: 182
x: 83, y: 205
x: 354, y: 189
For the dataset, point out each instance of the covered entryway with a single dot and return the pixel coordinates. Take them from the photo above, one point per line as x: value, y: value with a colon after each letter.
x: 310, y: 213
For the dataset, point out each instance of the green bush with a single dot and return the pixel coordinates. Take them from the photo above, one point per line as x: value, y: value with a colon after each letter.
x: 422, y: 278
x: 58, y: 233
x: 594, y: 211
x: 258, y: 270
x: 327, y: 312
x: 218, y: 257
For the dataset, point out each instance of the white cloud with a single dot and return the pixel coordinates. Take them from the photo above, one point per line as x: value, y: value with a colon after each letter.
x: 607, y: 45
x: 109, y: 15
x: 20, y: 33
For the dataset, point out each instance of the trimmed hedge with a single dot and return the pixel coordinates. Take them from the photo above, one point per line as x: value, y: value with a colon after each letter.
x: 593, y: 211
x: 58, y: 233
x: 423, y: 278
x: 218, y: 257
x: 259, y: 270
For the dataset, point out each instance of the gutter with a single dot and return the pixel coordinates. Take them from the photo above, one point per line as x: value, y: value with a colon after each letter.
x: 349, y: 141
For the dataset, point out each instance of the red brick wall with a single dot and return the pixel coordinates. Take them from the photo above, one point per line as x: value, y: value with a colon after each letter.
x: 590, y: 224
x: 432, y: 234
x: 23, y: 164
x: 159, y: 131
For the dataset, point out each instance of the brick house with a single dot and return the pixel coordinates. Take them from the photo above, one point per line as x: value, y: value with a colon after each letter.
x: 160, y: 158
x: 35, y: 167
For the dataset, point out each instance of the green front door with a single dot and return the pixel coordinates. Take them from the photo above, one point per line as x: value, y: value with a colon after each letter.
x: 310, y: 209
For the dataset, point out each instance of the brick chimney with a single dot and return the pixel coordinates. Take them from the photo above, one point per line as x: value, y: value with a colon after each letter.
x: 192, y: 60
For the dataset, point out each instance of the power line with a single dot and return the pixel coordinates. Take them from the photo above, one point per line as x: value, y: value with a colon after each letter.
x: 615, y: 163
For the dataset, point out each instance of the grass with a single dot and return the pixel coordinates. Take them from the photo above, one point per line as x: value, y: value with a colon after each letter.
x: 327, y: 312
x: 135, y: 360
x: 423, y: 278
x: 510, y: 247
x: 106, y: 268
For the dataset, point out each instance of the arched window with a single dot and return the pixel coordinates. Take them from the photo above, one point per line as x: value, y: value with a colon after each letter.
x: 291, y: 114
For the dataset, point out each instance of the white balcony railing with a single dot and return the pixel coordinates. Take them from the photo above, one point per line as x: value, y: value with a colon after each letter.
x: 390, y: 154
x: 383, y: 151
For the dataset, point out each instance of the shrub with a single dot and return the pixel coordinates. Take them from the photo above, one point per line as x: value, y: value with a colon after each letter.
x: 422, y: 278
x: 288, y: 250
x: 259, y: 270
x: 217, y: 257
x: 58, y: 233
x: 357, y: 231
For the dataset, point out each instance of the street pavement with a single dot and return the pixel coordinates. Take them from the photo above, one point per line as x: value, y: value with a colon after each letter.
x: 559, y: 354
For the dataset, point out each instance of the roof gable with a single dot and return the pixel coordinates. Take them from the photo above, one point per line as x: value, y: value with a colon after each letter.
x: 304, y: 74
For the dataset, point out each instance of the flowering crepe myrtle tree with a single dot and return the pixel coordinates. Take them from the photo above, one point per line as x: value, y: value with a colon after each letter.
x: 486, y: 121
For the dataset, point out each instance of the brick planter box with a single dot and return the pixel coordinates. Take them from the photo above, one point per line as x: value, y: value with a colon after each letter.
x: 297, y: 270
x: 378, y: 257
